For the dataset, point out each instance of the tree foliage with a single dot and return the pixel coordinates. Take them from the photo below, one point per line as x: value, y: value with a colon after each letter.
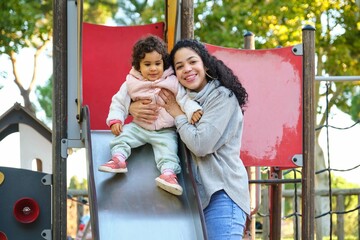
x: 99, y: 11
x: 44, y: 94
x: 279, y: 23
x: 29, y: 24
x: 223, y: 23
x: 131, y: 12
x: 25, y: 27
x: 76, y: 184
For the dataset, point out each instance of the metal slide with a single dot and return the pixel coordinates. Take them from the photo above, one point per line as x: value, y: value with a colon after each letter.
x: 130, y: 206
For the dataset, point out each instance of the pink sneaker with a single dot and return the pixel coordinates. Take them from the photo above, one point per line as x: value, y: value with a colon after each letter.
x: 113, y: 166
x: 169, y: 183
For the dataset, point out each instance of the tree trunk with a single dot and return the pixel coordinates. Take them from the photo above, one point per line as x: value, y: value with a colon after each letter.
x: 25, y: 93
x: 27, y: 103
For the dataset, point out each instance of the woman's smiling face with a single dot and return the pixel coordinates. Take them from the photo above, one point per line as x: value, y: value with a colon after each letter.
x: 189, y: 69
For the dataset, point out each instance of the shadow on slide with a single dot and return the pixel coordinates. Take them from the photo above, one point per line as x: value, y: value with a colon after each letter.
x: 131, y: 206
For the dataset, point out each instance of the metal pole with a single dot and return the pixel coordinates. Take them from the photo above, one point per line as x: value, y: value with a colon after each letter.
x: 74, y: 91
x: 337, y: 78
x: 308, y: 170
x: 59, y: 208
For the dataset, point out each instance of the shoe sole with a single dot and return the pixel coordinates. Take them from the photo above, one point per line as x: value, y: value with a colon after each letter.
x: 168, y: 187
x: 110, y: 170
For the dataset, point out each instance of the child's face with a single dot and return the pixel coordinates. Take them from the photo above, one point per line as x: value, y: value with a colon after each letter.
x: 152, y: 66
x: 189, y: 69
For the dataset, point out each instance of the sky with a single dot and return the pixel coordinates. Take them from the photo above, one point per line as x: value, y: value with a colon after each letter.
x: 344, y: 145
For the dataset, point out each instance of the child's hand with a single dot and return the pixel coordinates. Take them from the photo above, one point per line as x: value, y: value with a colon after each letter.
x: 196, y: 116
x: 116, y: 129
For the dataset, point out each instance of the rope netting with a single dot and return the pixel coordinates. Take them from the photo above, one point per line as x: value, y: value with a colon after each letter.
x: 334, y: 201
x: 329, y: 170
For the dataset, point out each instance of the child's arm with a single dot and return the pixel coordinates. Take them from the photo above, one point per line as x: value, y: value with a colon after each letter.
x: 190, y: 107
x: 116, y: 128
x: 119, y: 106
x: 196, y: 116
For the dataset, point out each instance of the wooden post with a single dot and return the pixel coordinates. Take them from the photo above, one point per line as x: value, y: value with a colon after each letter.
x: 340, y: 207
x: 249, y: 44
x: 59, y: 215
x: 358, y: 218
x: 187, y: 19
x: 275, y: 205
x: 249, y: 40
x: 308, y: 170
x: 266, y: 208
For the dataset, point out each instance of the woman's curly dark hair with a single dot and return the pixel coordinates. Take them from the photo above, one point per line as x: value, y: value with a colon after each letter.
x: 214, y: 67
x: 147, y: 45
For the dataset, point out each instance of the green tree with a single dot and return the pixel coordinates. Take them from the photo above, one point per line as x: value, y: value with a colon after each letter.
x: 25, y: 27
x: 99, y: 12
x: 131, y: 11
x: 29, y: 24
x: 44, y: 94
x: 76, y: 184
x: 279, y: 23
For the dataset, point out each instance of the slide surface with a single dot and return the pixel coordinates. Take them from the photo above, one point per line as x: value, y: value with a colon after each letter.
x: 131, y: 206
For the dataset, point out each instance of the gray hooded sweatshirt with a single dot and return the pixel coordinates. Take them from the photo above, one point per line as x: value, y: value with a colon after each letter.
x: 215, y: 143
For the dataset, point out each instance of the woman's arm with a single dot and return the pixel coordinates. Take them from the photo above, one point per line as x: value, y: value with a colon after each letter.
x: 215, y: 127
x: 143, y: 111
x: 190, y: 107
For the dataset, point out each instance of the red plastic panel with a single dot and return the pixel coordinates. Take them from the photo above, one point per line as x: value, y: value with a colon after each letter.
x: 106, y: 60
x: 273, y: 117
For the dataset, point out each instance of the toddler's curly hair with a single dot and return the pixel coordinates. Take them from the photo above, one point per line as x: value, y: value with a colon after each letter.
x: 147, y: 45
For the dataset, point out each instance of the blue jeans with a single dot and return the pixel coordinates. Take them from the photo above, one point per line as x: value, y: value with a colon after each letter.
x: 224, y: 219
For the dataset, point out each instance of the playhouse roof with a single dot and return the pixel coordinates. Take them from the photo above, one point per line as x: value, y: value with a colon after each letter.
x: 10, y: 120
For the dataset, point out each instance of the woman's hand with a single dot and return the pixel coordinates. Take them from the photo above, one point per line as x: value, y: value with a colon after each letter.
x: 170, y: 104
x: 143, y: 111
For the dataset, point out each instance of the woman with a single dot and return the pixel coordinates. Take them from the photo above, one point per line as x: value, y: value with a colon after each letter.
x: 215, y: 140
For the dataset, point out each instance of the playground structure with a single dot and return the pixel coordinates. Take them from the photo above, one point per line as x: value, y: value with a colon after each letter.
x: 78, y: 123
x: 290, y: 145
x: 30, y: 129
x: 26, y: 195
